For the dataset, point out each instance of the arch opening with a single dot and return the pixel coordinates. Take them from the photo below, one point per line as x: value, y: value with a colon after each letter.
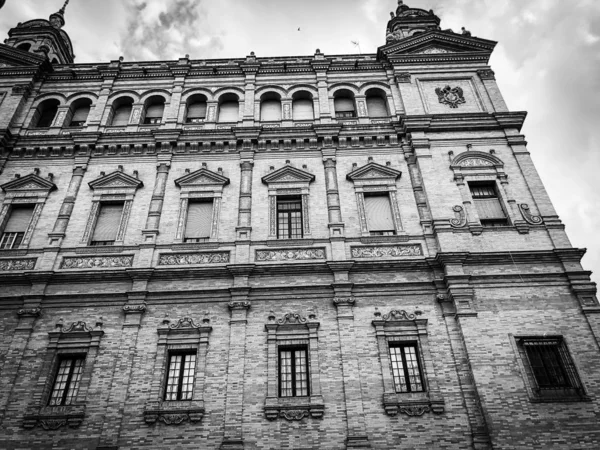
x: 229, y: 108
x: 154, y: 110
x: 270, y: 107
x: 196, y: 109
x: 45, y: 113
x: 122, y: 108
x: 377, y: 103
x: 344, y: 104
x: 303, y: 106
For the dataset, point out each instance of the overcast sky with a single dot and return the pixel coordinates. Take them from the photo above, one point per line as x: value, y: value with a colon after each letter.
x: 547, y: 62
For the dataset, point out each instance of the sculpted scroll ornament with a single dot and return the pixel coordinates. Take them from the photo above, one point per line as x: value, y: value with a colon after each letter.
x: 399, y: 315
x: 475, y: 162
x: 94, y: 262
x: 292, y: 319
x: 460, y: 221
x: 528, y: 216
x: 184, y: 259
x: 290, y: 254
x: 7, y: 265
x: 294, y: 414
x: 184, y: 323
x: 77, y: 327
x: 391, y: 251
x: 451, y: 96
x: 52, y: 424
x: 33, y: 312
x: 239, y: 305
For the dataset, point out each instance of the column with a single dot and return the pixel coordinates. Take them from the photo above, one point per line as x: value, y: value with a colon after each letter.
x: 64, y: 216
x: 336, y: 223
x: 234, y: 399
x: 244, y: 224
x: 151, y: 230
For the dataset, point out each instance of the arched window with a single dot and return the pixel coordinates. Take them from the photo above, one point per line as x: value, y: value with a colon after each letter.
x: 270, y: 107
x: 303, y: 106
x: 45, y: 113
x: 229, y: 108
x: 121, y: 111
x: 79, y: 112
x: 55, y: 61
x: 344, y: 104
x: 155, y: 107
x: 25, y: 47
x: 377, y: 103
x: 196, y: 109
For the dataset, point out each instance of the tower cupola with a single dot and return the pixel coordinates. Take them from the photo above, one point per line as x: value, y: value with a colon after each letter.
x: 409, y: 21
x: 44, y: 38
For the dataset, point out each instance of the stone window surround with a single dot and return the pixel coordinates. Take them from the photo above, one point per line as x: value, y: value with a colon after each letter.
x: 293, y: 330
x: 528, y: 377
x: 15, y: 197
x: 400, y: 326
x: 110, y: 194
x: 77, y: 339
x: 212, y: 192
x: 184, y: 335
x: 491, y: 169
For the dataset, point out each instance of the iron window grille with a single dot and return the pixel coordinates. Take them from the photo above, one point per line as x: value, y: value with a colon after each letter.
x: 289, y: 218
x: 551, y: 366
x: 406, y: 367
x: 180, y: 376
x: 66, y: 381
x: 293, y: 372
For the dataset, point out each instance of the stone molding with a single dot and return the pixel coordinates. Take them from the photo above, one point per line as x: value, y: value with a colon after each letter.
x: 96, y: 262
x: 188, y: 259
x: 290, y: 254
x: 31, y: 312
x: 387, y: 251
x: 7, y: 265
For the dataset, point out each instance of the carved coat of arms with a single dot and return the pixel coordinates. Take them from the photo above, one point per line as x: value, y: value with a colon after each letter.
x: 451, y: 96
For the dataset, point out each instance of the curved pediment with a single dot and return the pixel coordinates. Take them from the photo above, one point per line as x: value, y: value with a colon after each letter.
x: 31, y: 182
x: 476, y: 159
x: 288, y: 174
x: 116, y: 180
x: 202, y: 177
x: 373, y: 171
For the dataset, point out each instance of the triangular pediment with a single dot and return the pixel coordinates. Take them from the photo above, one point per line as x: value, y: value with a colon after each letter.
x: 443, y: 43
x: 373, y: 171
x: 11, y: 57
x: 31, y: 182
x: 202, y: 177
x: 288, y: 174
x: 116, y: 180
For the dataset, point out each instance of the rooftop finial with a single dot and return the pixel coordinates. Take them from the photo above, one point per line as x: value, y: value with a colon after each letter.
x: 62, y: 10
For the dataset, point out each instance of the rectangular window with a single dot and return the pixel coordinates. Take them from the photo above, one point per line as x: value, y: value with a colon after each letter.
x: 199, y: 221
x: 180, y: 377
x: 379, y: 214
x: 552, y: 369
x: 16, y: 227
x: 107, y: 225
x: 66, y: 382
x: 289, y: 218
x: 406, y: 367
x: 293, y: 372
x: 487, y: 203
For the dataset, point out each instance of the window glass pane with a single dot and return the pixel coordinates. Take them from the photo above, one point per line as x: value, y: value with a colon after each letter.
x: 229, y: 112
x: 303, y: 109
x: 121, y: 117
x: 108, y: 222
x: 66, y: 382
x: 377, y: 107
x: 199, y: 220
x: 344, y: 104
x: 293, y: 372
x: 289, y: 218
x: 405, y: 368
x: 81, y: 114
x: 270, y: 110
x: 196, y: 110
x: 379, y: 213
x: 301, y: 373
x: 155, y: 111
x: 19, y: 219
x: 285, y: 374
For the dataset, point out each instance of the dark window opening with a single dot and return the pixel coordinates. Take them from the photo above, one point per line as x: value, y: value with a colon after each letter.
x: 66, y: 381
x: 180, y: 376
x: 487, y: 202
x: 289, y: 218
x: 122, y: 111
x: 344, y: 104
x: 199, y: 221
x: 380, y: 219
x: 46, y: 113
x: 107, y: 225
x: 16, y: 227
x: 155, y: 108
x: 406, y: 367
x: 196, y: 109
x: 81, y: 110
x: 293, y: 372
x: 25, y: 47
x: 229, y: 108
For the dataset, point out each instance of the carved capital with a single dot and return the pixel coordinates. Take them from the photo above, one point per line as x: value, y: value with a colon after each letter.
x: 486, y: 74
x: 344, y: 301
x: 239, y: 305
x: 135, y: 309
x: 32, y: 312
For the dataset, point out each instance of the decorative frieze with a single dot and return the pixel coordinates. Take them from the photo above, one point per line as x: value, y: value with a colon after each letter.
x: 291, y: 254
x: 7, y: 265
x: 188, y: 259
x: 387, y: 251
x: 97, y: 262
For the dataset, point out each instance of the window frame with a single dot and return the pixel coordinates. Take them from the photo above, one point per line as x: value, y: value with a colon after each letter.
x: 403, y: 345
x: 573, y: 391
x: 68, y: 383
x: 379, y: 193
x: 400, y: 328
x: 488, y: 223
x: 293, y: 331
x: 179, y: 389
x: 293, y: 365
x: 291, y: 221
x: 102, y: 204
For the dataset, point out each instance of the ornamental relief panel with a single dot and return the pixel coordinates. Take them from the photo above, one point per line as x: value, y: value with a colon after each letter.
x: 450, y: 96
x: 298, y: 254
x: 7, y: 265
x: 387, y: 251
x: 188, y: 259
x: 97, y: 262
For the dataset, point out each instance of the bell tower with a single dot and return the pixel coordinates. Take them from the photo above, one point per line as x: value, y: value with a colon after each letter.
x: 407, y: 22
x: 44, y: 38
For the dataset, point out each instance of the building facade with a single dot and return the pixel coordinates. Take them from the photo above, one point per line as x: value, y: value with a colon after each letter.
x: 307, y: 252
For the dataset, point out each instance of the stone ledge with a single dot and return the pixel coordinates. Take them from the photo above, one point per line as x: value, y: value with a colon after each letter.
x: 174, y: 413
